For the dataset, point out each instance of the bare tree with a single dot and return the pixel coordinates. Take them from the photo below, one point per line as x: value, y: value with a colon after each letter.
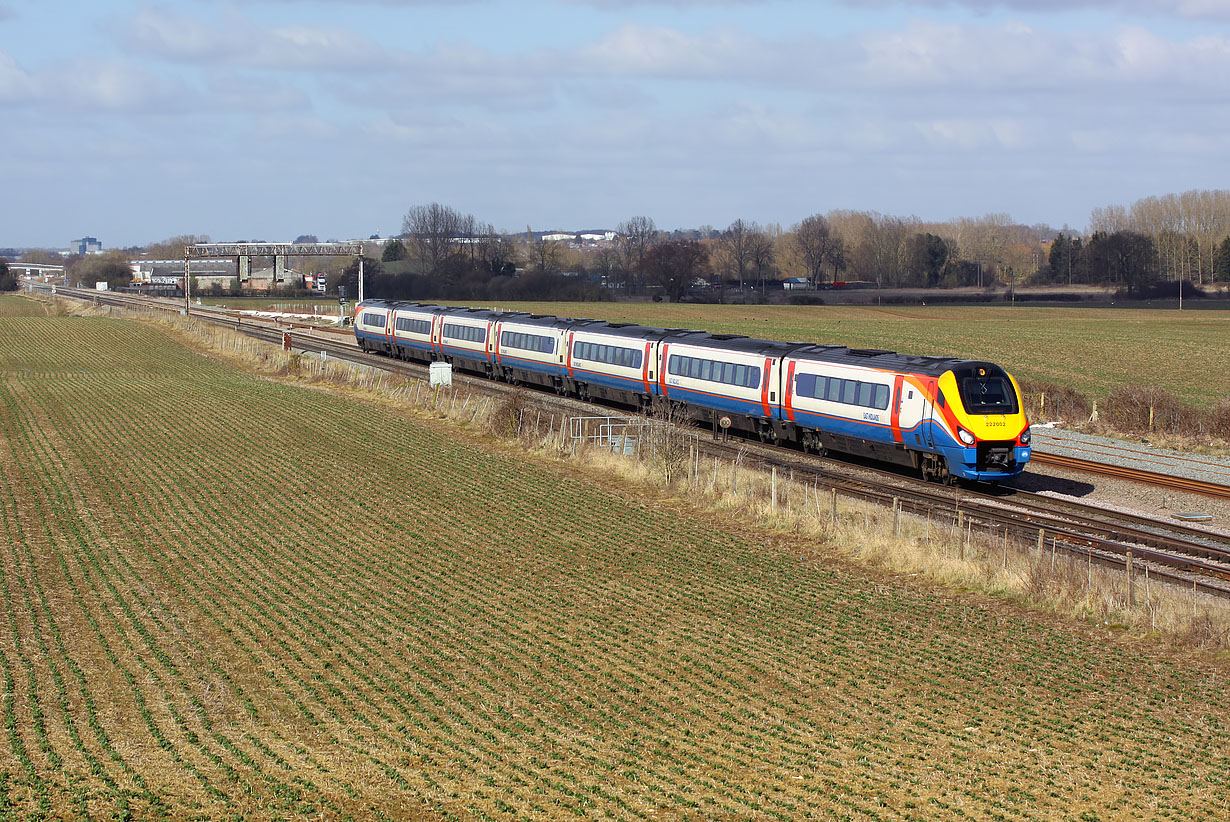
x: 818, y: 245
x: 546, y: 255
x: 735, y: 249
x: 675, y: 265
x: 606, y: 262
x: 636, y: 237
x: 433, y: 230
x: 173, y: 247
x: 670, y: 443
x: 496, y: 252
x: 762, y: 257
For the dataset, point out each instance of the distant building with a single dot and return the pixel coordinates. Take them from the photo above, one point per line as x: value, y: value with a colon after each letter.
x: 796, y: 283
x: 86, y: 245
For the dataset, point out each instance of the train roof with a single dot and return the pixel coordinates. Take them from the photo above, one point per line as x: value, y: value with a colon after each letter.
x: 877, y: 358
x: 737, y: 342
x: 483, y: 314
x: 630, y: 330
x: 540, y: 320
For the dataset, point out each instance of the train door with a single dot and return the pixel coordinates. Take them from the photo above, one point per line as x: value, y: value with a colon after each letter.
x: 895, y: 412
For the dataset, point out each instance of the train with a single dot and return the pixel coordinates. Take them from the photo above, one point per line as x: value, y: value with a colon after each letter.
x: 945, y: 418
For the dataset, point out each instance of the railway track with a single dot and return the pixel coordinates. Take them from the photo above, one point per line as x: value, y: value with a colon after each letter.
x: 1179, y: 554
x: 1193, y: 486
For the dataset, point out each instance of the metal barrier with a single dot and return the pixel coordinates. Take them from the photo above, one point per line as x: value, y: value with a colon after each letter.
x: 623, y: 435
x: 619, y: 435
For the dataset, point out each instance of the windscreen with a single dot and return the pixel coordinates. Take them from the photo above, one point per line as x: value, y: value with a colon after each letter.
x: 989, y: 394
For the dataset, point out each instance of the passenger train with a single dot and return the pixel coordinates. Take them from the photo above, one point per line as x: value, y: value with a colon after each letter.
x: 946, y: 418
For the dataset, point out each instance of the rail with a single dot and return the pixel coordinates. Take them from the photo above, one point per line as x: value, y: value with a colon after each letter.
x: 1194, y: 486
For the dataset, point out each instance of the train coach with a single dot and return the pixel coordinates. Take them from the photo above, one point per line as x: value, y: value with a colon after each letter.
x: 944, y: 417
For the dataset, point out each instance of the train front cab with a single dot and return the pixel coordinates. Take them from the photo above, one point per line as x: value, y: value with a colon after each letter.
x: 981, y: 404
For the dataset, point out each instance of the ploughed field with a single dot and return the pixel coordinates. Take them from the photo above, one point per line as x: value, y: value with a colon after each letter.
x: 221, y: 595
x: 1093, y: 350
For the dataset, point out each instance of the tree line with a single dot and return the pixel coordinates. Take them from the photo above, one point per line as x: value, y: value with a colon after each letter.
x: 443, y: 253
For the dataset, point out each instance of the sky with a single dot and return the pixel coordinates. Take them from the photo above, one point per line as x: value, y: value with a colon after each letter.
x: 134, y: 122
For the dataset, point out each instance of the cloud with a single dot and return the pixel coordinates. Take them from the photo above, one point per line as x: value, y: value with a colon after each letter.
x: 7, y: 13
x: 1188, y: 9
x: 16, y: 84
x: 243, y: 91
x: 91, y: 84
x: 240, y: 42
x: 617, y: 5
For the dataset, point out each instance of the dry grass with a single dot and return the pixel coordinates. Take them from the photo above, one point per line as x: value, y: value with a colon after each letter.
x: 1051, y: 581
x: 13, y: 305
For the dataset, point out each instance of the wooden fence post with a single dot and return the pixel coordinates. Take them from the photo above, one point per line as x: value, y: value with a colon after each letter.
x: 1131, y: 580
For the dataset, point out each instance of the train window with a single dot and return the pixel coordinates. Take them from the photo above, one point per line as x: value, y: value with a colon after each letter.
x: 988, y: 395
x: 849, y: 391
x: 527, y: 342
x: 470, y: 333
x: 865, y: 390
x: 614, y: 355
x: 414, y: 326
x: 881, y: 401
x: 373, y: 319
x: 833, y: 393
x: 745, y: 376
x: 805, y: 385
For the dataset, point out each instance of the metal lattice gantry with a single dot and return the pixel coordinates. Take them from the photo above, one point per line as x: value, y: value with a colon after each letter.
x: 203, y: 251
x: 244, y: 252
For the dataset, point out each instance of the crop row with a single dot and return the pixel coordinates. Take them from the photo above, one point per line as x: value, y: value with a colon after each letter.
x: 313, y: 605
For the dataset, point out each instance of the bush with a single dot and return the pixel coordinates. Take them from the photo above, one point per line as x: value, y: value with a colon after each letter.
x: 505, y: 419
x: 806, y: 299
x: 1219, y: 420
x: 1047, y: 401
x: 1130, y: 409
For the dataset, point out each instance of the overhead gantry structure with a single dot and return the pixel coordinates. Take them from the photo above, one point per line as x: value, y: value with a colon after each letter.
x: 244, y: 252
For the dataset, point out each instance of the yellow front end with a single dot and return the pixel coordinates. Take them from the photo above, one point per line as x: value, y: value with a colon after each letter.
x: 982, y: 408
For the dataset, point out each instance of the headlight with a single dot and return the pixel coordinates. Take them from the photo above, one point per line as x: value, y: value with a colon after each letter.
x: 966, y: 437
x: 1025, y: 436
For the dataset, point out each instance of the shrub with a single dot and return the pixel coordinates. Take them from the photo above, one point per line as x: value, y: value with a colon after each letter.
x: 1132, y: 408
x: 505, y: 419
x: 1219, y: 420
x: 1048, y: 401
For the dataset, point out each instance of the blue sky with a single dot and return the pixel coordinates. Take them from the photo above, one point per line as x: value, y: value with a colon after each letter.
x: 266, y: 119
